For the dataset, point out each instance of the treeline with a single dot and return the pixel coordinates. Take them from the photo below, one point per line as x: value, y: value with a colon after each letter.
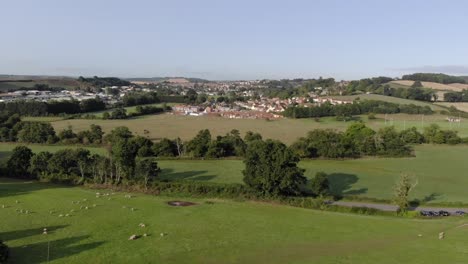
x: 142, y: 98
x: 297, y: 87
x: 356, y: 108
x: 434, y: 77
x: 80, y: 165
x: 379, y: 85
x: 456, y: 96
x: 359, y: 140
x: 121, y: 113
x: 104, y: 81
x: 35, y: 108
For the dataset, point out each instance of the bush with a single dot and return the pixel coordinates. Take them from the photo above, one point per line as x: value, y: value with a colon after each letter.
x: 4, y: 252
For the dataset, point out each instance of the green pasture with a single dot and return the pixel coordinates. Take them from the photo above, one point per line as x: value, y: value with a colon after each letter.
x: 220, y: 231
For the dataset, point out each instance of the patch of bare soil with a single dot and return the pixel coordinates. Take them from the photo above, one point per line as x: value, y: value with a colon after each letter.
x: 180, y: 203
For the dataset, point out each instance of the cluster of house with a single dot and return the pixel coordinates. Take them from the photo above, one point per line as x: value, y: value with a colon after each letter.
x: 263, y: 108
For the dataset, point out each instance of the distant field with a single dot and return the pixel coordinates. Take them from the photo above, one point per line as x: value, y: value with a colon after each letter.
x: 459, y: 106
x: 286, y: 130
x: 441, y: 172
x: 389, y: 99
x: 221, y: 231
x: 66, y: 83
x: 436, y: 86
x: 129, y: 109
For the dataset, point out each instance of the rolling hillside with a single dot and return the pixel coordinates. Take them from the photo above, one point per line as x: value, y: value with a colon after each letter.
x: 457, y: 87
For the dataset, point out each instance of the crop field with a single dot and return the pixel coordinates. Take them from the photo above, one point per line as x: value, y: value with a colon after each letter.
x: 460, y: 106
x: 211, y: 231
x: 436, y: 86
x: 286, y: 130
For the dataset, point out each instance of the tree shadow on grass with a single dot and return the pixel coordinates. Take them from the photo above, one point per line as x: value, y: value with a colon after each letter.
x: 170, y: 175
x: 428, y: 198
x: 341, y: 184
x: 12, y: 187
x: 60, y: 248
x: 19, y: 234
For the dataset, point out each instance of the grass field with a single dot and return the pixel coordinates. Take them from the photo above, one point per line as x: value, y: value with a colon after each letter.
x: 129, y: 109
x: 218, y: 232
x: 389, y: 99
x: 286, y: 130
x: 440, y: 171
x: 460, y: 106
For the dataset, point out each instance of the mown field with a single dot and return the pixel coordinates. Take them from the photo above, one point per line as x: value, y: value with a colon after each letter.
x: 221, y: 231
x: 389, y: 99
x: 129, y: 109
x: 440, y: 170
x: 286, y: 130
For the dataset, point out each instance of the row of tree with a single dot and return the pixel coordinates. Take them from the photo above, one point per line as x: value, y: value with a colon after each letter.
x: 35, y: 108
x: 456, y: 96
x: 356, y: 108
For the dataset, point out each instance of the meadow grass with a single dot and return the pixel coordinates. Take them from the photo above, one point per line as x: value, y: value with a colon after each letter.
x: 286, y: 130
x: 221, y: 231
x: 439, y: 169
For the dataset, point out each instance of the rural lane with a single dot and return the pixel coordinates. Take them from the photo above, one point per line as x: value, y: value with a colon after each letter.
x: 393, y: 208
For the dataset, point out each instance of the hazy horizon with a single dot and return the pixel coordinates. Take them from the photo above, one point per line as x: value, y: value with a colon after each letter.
x: 242, y: 40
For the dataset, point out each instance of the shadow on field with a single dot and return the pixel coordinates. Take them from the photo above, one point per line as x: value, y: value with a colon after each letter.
x: 429, y: 198
x: 170, y: 175
x: 57, y: 249
x: 341, y: 183
x: 19, y: 234
x: 11, y: 187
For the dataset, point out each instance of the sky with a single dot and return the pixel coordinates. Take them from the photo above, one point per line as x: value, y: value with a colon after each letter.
x: 236, y: 39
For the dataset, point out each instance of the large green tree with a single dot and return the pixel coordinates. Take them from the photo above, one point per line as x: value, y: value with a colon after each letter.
x: 18, y: 163
x: 271, y: 169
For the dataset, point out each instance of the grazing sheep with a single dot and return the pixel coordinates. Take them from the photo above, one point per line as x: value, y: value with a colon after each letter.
x: 145, y: 235
x: 45, y: 231
x: 86, y: 208
x: 3, y: 206
x: 60, y: 215
x: 162, y: 234
x: 133, y: 237
x: 142, y: 225
x: 441, y: 235
x: 16, y: 201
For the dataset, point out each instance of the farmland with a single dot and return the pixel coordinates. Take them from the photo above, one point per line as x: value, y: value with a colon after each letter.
x: 286, y: 130
x: 436, y: 86
x: 289, y: 235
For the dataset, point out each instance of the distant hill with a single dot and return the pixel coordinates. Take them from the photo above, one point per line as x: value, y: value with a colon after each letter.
x: 19, y: 82
x: 168, y: 79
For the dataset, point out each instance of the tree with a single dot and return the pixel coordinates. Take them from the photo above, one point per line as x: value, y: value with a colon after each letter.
x: 402, y: 190
x: 198, y: 146
x: 251, y: 136
x: 165, y: 148
x: 417, y: 84
x: 39, y: 163
x: 320, y: 185
x: 271, y: 169
x: 147, y: 170
x: 18, y: 163
x: 82, y: 160
x: 4, y: 252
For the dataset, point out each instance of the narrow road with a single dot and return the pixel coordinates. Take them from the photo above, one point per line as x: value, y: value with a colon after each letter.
x: 393, y: 208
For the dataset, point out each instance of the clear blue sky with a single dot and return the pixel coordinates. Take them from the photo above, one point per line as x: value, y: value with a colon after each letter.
x: 235, y: 39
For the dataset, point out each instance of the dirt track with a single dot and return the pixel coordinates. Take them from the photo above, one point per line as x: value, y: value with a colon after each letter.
x: 393, y: 208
